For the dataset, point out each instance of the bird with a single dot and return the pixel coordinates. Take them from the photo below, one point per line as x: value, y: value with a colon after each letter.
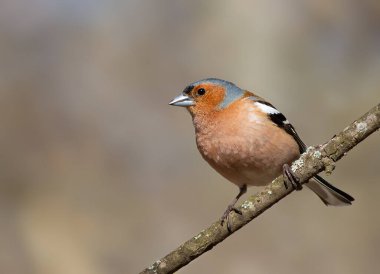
x: 247, y: 140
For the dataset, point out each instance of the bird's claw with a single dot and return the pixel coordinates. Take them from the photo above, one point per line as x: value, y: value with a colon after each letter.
x: 226, y: 216
x: 289, y: 176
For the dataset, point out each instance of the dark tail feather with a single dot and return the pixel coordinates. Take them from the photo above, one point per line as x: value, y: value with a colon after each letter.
x: 328, y: 193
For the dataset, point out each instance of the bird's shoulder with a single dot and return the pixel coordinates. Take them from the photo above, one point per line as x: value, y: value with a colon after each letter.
x: 262, y: 107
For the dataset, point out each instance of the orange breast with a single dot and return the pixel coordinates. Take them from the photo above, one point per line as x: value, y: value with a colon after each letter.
x: 243, y: 145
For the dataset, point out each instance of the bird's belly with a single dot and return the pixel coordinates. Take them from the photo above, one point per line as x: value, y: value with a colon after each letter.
x: 255, y: 162
x: 252, y: 171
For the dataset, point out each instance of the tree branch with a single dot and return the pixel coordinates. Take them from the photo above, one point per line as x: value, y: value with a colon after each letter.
x: 313, y: 161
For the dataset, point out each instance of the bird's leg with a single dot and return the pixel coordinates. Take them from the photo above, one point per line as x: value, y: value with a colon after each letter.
x: 289, y: 176
x: 231, y: 207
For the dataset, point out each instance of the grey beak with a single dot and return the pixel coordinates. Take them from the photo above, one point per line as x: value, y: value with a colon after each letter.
x: 182, y: 101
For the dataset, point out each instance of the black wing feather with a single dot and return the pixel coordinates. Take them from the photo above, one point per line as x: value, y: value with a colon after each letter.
x: 290, y: 129
x: 280, y: 120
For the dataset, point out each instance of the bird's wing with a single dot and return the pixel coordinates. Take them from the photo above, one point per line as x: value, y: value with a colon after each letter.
x: 280, y: 120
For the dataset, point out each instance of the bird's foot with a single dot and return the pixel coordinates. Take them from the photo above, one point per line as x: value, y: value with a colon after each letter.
x: 226, y: 216
x: 289, y: 176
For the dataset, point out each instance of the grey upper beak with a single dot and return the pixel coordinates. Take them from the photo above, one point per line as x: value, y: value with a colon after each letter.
x: 182, y: 101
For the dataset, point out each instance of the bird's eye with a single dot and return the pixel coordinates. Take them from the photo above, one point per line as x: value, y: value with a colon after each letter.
x: 201, y: 91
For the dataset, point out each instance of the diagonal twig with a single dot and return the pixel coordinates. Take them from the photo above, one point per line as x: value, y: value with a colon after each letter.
x: 313, y: 161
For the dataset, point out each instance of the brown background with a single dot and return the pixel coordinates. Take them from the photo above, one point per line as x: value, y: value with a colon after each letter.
x: 99, y: 175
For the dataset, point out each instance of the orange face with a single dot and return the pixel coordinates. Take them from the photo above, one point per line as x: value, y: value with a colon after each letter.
x: 207, y: 97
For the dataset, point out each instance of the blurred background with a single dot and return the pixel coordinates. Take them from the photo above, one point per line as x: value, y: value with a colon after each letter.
x: 99, y: 175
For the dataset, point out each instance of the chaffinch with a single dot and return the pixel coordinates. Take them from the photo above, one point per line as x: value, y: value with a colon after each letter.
x: 246, y: 139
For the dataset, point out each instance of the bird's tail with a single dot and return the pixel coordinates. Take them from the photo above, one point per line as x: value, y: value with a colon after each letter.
x: 328, y: 193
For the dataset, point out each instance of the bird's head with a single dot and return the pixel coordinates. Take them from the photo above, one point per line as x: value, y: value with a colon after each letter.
x: 207, y: 95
